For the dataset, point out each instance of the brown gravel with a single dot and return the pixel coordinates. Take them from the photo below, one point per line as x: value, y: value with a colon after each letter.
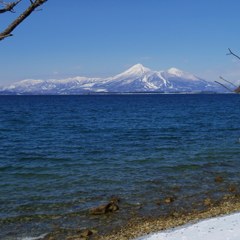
x: 140, y: 227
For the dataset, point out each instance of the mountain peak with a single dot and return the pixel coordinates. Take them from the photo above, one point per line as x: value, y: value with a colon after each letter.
x: 137, y: 69
x: 175, y: 71
x: 179, y: 73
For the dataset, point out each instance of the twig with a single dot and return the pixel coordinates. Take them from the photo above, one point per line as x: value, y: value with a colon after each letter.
x: 9, y: 7
x: 232, y: 53
x: 228, y: 81
x: 224, y: 86
x: 8, y: 31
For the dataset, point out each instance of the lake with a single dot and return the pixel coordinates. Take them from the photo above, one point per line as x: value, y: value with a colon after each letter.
x: 63, y: 155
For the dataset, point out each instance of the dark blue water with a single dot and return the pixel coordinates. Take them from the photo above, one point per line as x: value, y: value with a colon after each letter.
x: 62, y: 155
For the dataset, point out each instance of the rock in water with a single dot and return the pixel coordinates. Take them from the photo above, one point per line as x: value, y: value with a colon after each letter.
x: 104, y: 209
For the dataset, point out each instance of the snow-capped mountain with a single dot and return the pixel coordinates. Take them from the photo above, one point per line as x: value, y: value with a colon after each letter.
x: 136, y: 79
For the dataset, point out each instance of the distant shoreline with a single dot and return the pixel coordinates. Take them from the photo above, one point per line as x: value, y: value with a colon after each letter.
x: 117, y: 93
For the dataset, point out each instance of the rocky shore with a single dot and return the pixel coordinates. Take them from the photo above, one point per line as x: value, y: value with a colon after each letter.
x: 176, y: 212
x: 140, y: 226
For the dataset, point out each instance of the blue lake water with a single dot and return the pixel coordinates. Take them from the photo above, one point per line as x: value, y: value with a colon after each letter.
x: 62, y: 155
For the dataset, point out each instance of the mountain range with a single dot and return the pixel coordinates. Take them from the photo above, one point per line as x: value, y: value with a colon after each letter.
x: 136, y: 79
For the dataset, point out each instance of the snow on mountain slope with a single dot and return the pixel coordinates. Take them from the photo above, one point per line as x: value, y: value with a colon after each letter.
x: 174, y: 72
x: 53, y: 86
x: 136, y: 70
x: 136, y: 79
x: 184, y: 81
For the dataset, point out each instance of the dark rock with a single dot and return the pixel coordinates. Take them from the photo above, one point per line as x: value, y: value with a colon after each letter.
x: 218, y: 179
x: 112, y: 207
x: 98, y: 210
x: 232, y: 188
x: 115, y: 199
x: 104, y: 209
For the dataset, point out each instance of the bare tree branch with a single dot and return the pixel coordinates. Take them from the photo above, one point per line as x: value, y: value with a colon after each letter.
x: 232, y: 53
x: 236, y: 88
x: 8, y: 31
x: 230, y: 90
x: 9, y: 7
x: 227, y: 81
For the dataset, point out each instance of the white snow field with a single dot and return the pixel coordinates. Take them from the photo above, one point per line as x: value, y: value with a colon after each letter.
x: 219, y: 228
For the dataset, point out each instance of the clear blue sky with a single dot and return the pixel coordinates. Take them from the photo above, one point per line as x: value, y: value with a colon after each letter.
x: 104, y: 37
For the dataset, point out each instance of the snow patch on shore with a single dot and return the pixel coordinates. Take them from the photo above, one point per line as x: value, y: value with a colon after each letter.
x: 219, y: 228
